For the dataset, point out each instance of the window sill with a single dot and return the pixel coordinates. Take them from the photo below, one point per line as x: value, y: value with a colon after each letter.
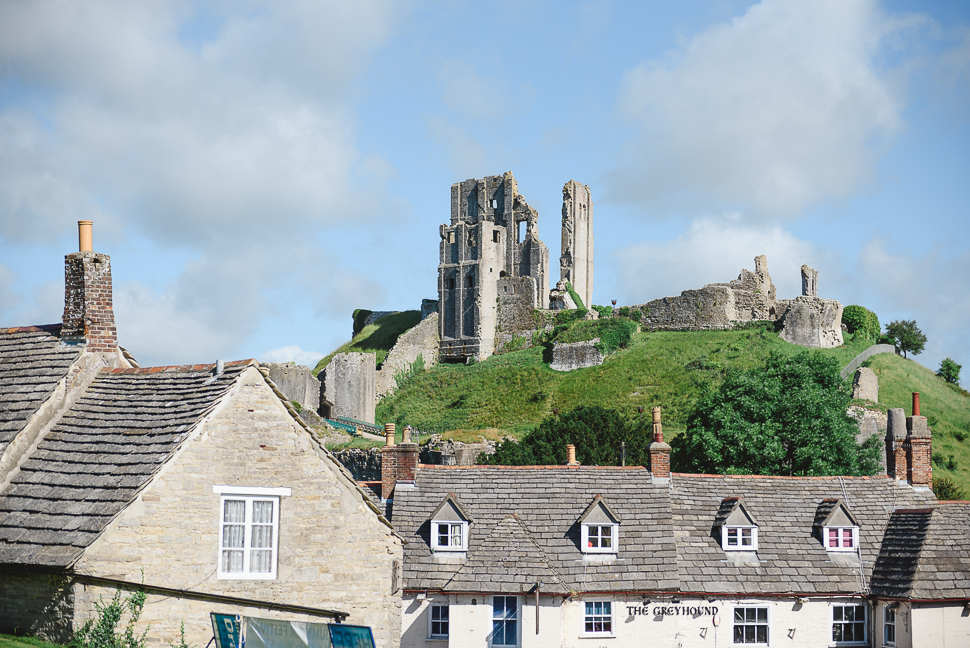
x: 246, y: 577
x: 597, y: 636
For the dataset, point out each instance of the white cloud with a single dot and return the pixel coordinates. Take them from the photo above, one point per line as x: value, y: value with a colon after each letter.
x: 712, y: 250
x: 293, y: 353
x: 776, y: 110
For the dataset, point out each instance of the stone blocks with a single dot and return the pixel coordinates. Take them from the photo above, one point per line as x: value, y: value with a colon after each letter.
x: 576, y: 261
x: 296, y: 382
x: 349, y: 385
x: 88, y: 302
x: 865, y: 385
x: 421, y: 340
x: 577, y: 355
x: 813, y: 322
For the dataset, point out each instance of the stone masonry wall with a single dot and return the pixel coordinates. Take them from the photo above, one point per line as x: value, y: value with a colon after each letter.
x: 349, y: 384
x: 296, y: 382
x: 334, y: 552
x: 88, y: 306
x: 421, y: 340
x: 40, y: 605
x: 577, y: 355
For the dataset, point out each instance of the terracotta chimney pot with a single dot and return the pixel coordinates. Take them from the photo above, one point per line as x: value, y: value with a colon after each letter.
x: 85, y: 236
x: 571, y: 453
x: 916, y: 404
x: 388, y: 434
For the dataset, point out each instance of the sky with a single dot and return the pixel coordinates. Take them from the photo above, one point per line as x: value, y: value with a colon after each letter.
x: 258, y: 170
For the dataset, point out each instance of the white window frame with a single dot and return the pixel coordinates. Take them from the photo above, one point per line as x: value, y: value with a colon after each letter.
x: 767, y: 624
x: 887, y: 611
x: 431, y: 620
x: 738, y: 531
x: 463, y: 546
x: 228, y: 494
x: 517, y: 619
x: 614, y: 539
x: 840, y: 538
x: 865, y: 624
x: 611, y: 615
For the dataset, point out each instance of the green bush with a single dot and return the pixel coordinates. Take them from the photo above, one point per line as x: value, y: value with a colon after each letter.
x: 862, y: 320
x: 575, y: 295
x: 615, y: 334
x: 950, y: 371
x: 566, y: 317
x: 946, y: 489
x: 100, y: 632
x: 604, y: 311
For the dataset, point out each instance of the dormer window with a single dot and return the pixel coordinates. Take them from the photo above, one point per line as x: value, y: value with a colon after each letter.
x: 836, y: 526
x: 737, y: 526
x: 600, y: 528
x: 449, y: 526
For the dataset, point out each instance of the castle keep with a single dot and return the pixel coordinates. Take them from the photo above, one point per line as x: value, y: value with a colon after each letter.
x: 493, y: 266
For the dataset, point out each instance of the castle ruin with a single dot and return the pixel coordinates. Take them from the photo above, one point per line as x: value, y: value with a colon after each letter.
x: 493, y: 266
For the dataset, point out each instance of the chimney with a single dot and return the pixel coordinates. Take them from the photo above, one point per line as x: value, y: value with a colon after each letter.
x: 659, y: 451
x: 399, y: 463
x: 88, y: 311
x: 918, y: 449
x: 571, y: 455
x: 896, y: 444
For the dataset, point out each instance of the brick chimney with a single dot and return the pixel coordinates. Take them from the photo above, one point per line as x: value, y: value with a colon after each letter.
x: 88, y: 311
x: 399, y: 463
x: 896, y: 444
x: 571, y: 455
x: 659, y: 451
x: 918, y: 448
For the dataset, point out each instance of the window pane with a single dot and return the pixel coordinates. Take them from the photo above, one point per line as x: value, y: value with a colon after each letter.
x: 261, y: 561
x: 232, y: 561
x: 262, y: 537
x: 739, y: 615
x: 234, y: 511
x: 233, y: 536
x: 262, y: 512
x: 738, y: 634
x: 762, y: 615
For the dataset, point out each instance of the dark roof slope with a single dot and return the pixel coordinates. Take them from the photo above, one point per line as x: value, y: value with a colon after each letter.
x: 99, y: 454
x: 926, y: 554
x: 789, y: 557
x: 548, y: 502
x: 32, y: 361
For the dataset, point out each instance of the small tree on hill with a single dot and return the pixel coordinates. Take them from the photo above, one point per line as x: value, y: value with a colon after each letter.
x: 785, y: 418
x: 906, y: 336
x: 950, y: 371
x: 597, y: 432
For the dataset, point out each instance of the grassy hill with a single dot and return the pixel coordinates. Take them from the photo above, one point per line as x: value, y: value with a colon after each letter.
x: 378, y: 337
x: 513, y: 392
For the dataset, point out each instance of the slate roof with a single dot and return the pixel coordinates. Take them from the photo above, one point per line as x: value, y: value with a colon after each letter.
x: 547, y: 503
x: 98, y: 456
x: 32, y: 361
x: 925, y: 554
x: 789, y: 557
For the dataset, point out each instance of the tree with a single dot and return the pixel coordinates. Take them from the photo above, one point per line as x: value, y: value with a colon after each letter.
x: 906, y: 336
x: 950, y: 371
x: 946, y: 489
x: 788, y: 417
x: 597, y: 432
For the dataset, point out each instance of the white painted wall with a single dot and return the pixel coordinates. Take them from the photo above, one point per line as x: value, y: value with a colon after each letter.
x: 941, y: 625
x: 791, y: 624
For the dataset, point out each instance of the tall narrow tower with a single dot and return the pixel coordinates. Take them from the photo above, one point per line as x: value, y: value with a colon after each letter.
x: 576, y: 261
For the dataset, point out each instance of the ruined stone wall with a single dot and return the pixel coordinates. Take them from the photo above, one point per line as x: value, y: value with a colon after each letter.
x: 576, y: 355
x: 813, y: 322
x: 710, y: 307
x: 349, y: 384
x: 363, y: 464
x: 576, y: 261
x: 333, y: 550
x: 296, y: 382
x: 421, y: 340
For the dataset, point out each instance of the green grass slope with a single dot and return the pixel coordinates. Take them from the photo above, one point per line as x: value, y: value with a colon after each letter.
x: 378, y: 337
x: 515, y: 391
x: 947, y: 412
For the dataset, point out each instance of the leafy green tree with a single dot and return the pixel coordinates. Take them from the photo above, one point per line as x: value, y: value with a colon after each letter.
x: 858, y: 319
x: 785, y: 418
x: 906, y: 336
x: 946, y: 489
x: 597, y: 432
x: 950, y: 371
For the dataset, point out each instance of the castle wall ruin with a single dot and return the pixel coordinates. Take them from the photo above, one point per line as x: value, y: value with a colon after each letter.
x: 576, y: 261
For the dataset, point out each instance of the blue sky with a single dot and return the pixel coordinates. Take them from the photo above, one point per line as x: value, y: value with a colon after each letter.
x: 258, y: 170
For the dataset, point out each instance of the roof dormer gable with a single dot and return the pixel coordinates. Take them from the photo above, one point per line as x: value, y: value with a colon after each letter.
x: 735, y: 526
x: 599, y: 512
x: 835, y: 526
x: 450, y: 510
x: 734, y: 512
x: 449, y: 526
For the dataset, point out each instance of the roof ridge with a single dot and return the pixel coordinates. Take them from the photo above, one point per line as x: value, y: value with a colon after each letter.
x: 186, y: 368
x: 31, y: 329
x: 538, y: 467
x: 816, y: 477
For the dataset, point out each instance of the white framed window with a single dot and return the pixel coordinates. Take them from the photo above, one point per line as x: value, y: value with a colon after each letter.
x: 739, y: 538
x: 849, y: 623
x: 248, y: 536
x: 841, y: 538
x: 449, y: 536
x: 889, y: 625
x: 438, y: 621
x: 600, y: 538
x: 751, y: 625
x: 505, y: 621
x: 598, y: 618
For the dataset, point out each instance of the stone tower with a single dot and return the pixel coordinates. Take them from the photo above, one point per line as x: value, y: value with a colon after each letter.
x: 491, y: 245
x: 576, y: 262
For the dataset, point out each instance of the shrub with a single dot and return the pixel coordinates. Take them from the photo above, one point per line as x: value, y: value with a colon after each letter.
x: 360, y: 315
x: 624, y: 311
x: 604, y: 311
x: 100, y: 632
x: 576, y: 298
x: 862, y: 320
x: 615, y: 334
x: 946, y: 489
x: 565, y: 317
x: 950, y: 371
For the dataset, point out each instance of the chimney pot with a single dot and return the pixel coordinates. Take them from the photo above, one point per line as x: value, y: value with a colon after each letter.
x: 406, y: 434
x: 388, y: 434
x: 88, y: 311
x: 85, y: 236
x: 571, y: 454
x: 659, y: 451
x: 916, y: 404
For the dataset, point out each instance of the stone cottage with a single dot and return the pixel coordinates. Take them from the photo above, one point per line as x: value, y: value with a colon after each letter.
x: 196, y: 484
